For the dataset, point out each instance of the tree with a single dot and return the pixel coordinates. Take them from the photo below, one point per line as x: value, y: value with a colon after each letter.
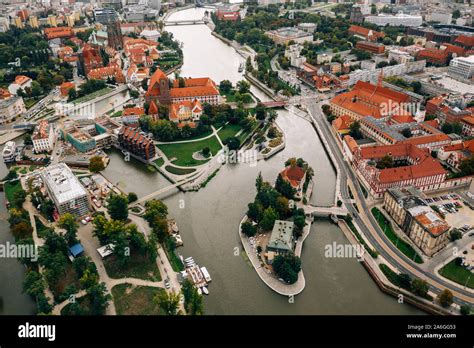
x: 243, y: 86
x: 255, y: 211
x: 354, y: 130
x: 168, y: 303
x: 117, y: 206
x: 99, y: 298
x: 465, y: 310
x: 300, y: 222
x: 68, y: 222
x: 284, y: 187
x: 34, y: 284
x: 445, y: 298
x: 27, y: 139
x: 192, y: 300
x: 155, y: 208
x: 259, y: 181
x: 249, y: 229
x: 268, y: 218
x: 455, y: 234
x: 287, y: 267
x: 233, y: 143
x: 96, y: 164
x: 134, y: 94
x: 19, y: 198
x: 132, y: 197
x: 406, y: 132
x: 225, y: 86
x: 419, y: 287
x: 181, y: 82
x: 206, y: 151
x: 385, y: 162
x: 326, y: 109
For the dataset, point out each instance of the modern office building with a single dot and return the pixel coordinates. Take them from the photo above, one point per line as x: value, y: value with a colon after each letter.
x: 65, y: 189
x: 399, y: 19
x: 462, y: 68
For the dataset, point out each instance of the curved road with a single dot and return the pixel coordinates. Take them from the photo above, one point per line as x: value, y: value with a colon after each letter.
x: 378, y: 239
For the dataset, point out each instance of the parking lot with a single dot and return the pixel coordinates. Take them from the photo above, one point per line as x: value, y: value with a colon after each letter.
x: 456, y: 213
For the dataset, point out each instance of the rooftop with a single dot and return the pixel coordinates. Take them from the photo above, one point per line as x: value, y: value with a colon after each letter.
x: 62, y: 183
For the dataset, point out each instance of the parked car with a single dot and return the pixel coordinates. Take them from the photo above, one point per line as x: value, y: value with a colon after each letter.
x: 167, y: 284
x: 84, y: 222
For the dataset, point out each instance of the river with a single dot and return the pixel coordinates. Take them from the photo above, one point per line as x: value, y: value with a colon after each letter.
x: 12, y: 273
x: 208, y: 219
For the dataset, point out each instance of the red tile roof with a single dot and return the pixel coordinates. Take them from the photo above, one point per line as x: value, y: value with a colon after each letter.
x: 194, y: 87
x: 367, y: 33
x: 293, y: 175
x: 153, y: 109
x: 133, y: 111
x: 58, y: 32
x: 155, y: 80
x: 466, y: 41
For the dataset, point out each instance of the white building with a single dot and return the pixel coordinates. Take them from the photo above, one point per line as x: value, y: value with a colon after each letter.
x: 400, y: 57
x: 440, y: 17
x: 43, y: 137
x: 462, y: 68
x: 21, y: 82
x: 65, y: 190
x: 11, y: 108
x: 293, y: 53
x: 9, y: 152
x: 399, y: 19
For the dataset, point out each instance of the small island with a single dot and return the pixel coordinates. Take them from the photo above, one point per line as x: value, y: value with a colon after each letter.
x: 275, y: 227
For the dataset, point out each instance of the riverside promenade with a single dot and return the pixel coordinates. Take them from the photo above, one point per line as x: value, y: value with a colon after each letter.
x: 268, y: 278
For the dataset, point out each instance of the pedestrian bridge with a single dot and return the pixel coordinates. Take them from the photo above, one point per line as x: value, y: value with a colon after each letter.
x: 166, y: 189
x: 184, y: 22
x: 325, y: 211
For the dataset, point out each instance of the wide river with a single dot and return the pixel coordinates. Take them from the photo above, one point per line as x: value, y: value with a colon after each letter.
x: 208, y: 219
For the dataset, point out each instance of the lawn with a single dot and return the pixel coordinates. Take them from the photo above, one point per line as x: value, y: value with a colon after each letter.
x: 10, y: 189
x: 91, y: 96
x: 403, y: 246
x: 458, y: 274
x: 139, y: 266
x: 183, y: 152
x: 179, y: 171
x: 228, y: 131
x: 159, y: 162
x: 131, y: 300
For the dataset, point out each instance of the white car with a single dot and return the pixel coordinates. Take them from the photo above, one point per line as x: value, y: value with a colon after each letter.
x: 84, y: 222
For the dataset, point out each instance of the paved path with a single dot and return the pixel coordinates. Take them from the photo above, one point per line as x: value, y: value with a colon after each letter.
x: 214, y: 133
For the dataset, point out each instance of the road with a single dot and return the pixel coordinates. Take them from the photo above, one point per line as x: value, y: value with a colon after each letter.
x: 371, y: 228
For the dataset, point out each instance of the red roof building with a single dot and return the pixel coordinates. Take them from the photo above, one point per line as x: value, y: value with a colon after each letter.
x: 365, y: 33
x: 65, y: 87
x: 91, y: 58
x: 186, y: 112
x: 105, y: 73
x: 414, y: 167
x: 227, y: 15
x: 454, y: 50
x: 138, y: 144
x: 433, y: 56
x: 296, y: 177
x: 372, y: 47
x: 465, y: 41
x: 366, y: 99
x: 58, y: 33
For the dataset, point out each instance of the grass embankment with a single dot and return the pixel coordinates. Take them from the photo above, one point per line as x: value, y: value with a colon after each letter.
x: 228, y: 131
x: 183, y: 152
x: 458, y: 273
x: 403, y: 246
x: 135, y: 300
x: 361, y: 240
x: 179, y: 171
x: 139, y: 266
